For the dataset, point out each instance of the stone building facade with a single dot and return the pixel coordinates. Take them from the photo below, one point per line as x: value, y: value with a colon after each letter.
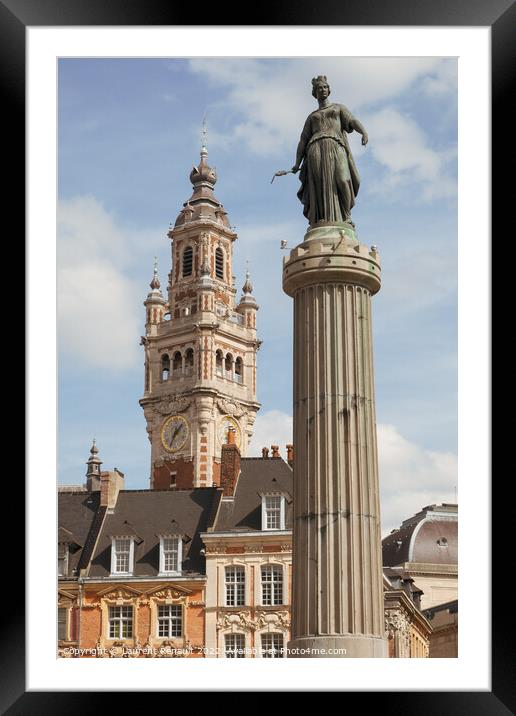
x: 249, y: 560
x: 444, y: 639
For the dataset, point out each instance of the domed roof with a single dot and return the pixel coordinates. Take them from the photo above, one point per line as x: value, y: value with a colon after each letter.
x: 430, y: 537
x: 203, y: 204
x: 203, y: 172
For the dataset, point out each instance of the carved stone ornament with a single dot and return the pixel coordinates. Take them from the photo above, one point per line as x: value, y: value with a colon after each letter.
x: 242, y: 620
x: 172, y: 407
x: 396, y: 621
x: 253, y: 548
x: 228, y: 407
x: 117, y: 594
x: 168, y: 594
x: 215, y: 549
x: 279, y: 620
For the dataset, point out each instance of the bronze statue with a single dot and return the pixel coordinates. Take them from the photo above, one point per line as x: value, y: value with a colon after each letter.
x: 329, y: 177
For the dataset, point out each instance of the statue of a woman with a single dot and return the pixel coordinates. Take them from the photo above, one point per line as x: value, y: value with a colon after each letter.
x: 329, y: 177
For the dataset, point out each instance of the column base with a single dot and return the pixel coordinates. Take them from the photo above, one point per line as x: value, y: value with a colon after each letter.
x: 348, y: 646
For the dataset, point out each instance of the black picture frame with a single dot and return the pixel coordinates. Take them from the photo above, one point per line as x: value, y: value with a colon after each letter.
x: 15, y: 17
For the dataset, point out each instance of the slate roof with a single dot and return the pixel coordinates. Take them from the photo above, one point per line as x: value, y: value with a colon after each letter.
x: 147, y: 514
x: 430, y: 537
x: 76, y: 514
x: 257, y: 475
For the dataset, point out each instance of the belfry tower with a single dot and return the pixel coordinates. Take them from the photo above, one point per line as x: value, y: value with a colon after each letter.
x: 200, y: 347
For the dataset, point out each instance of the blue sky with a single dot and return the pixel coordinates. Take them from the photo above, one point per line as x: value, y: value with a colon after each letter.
x: 129, y: 132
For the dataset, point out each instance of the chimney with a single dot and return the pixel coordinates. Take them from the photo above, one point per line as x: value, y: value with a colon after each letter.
x: 110, y: 485
x: 275, y: 451
x: 290, y: 454
x: 229, y: 465
x: 265, y: 453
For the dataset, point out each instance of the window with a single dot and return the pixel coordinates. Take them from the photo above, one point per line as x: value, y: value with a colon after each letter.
x: 219, y: 358
x: 177, y: 363
x: 273, y: 512
x: 272, y: 646
x: 165, y: 367
x: 120, y: 622
x: 61, y: 623
x: 170, y: 555
x: 189, y: 361
x: 234, y: 646
x: 235, y: 586
x: 170, y: 620
x: 238, y: 370
x: 187, y: 261
x: 228, y: 366
x: 122, y: 552
x: 62, y: 560
x: 272, y: 585
x: 219, y: 263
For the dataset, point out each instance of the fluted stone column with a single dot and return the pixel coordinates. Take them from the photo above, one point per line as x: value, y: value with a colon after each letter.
x: 337, y: 600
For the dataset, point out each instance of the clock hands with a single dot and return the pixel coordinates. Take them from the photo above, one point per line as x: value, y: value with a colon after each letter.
x: 175, y: 433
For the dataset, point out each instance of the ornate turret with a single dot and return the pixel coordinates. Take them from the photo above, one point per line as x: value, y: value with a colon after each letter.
x: 248, y: 306
x: 155, y: 304
x: 93, y: 469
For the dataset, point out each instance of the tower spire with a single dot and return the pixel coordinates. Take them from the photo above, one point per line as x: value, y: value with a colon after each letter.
x: 93, y: 468
x: 247, y: 288
x: 155, y: 284
x: 204, y: 151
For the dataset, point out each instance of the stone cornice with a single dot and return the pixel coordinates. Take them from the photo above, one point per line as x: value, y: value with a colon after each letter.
x: 398, y: 599
x: 424, y: 568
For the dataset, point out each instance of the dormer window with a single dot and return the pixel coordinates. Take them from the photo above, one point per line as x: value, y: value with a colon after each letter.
x: 170, y: 555
x: 273, y: 512
x: 122, y: 555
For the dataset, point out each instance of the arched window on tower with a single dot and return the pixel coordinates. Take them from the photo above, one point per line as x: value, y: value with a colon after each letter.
x: 239, y: 370
x: 219, y: 360
x: 177, y: 363
x: 189, y: 355
x: 229, y: 366
x: 187, y: 261
x: 219, y: 263
x: 165, y: 366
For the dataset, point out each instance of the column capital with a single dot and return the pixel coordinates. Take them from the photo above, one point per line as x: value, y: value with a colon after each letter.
x: 331, y: 254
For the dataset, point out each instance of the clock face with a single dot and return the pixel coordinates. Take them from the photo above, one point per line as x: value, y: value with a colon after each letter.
x: 227, y: 422
x: 174, y: 433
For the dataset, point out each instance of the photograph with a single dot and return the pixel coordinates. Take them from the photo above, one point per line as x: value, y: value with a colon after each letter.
x: 257, y: 357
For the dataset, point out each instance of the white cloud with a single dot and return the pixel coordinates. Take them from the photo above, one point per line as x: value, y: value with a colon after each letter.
x: 275, y: 105
x: 401, y: 147
x: 410, y: 475
x: 96, y: 324
x: 271, y: 428
x: 100, y: 315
